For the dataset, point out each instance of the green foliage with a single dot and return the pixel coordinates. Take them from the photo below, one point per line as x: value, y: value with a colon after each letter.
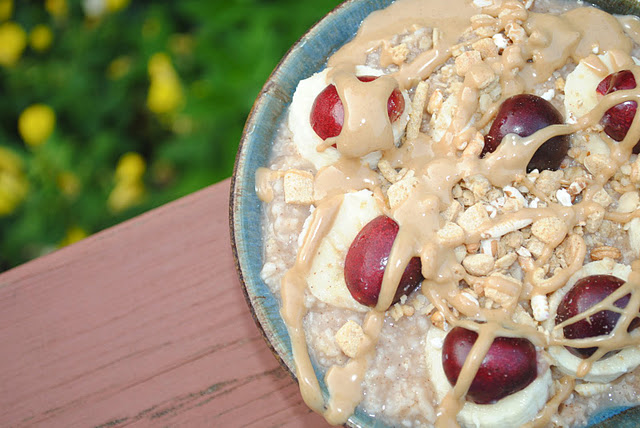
x: 95, y: 76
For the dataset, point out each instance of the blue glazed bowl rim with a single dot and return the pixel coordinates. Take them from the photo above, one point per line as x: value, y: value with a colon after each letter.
x: 246, y: 239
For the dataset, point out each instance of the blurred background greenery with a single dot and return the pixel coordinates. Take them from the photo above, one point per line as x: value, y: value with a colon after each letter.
x: 109, y: 108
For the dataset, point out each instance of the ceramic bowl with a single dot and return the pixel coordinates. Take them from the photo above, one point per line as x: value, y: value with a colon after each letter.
x: 306, y: 57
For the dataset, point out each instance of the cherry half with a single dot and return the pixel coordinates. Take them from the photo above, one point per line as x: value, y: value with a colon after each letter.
x: 587, y: 292
x: 617, y: 120
x: 327, y: 112
x: 523, y: 115
x: 508, y: 367
x: 367, y: 259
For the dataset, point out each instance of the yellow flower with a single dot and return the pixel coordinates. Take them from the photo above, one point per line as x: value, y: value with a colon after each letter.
x: 74, y: 234
x: 119, y: 67
x: 165, y: 91
x: 57, y: 8
x: 165, y: 95
x: 125, y: 194
x: 6, y: 9
x: 13, y: 183
x: 116, y: 5
x: 13, y: 40
x: 36, y: 123
x: 40, y: 38
x: 69, y: 184
x: 130, y: 168
x: 159, y: 65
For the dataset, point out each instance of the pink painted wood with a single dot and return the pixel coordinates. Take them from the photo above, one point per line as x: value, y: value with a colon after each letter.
x: 143, y: 324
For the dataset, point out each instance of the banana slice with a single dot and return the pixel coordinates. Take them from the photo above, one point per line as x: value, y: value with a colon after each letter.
x: 580, y: 95
x: 326, y: 277
x: 305, y: 138
x: 512, y: 411
x: 605, y: 370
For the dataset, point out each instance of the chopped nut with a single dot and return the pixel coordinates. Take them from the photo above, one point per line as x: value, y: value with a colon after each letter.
x: 535, y: 246
x: 564, y: 198
x: 548, y: 182
x: 388, y: 172
x: 473, y: 218
x: 482, y: 20
x: 603, y: 198
x: 597, y: 163
x: 460, y: 252
x: 515, y: 32
x: 506, y: 261
x: 478, y: 184
x: 349, y: 337
x: 522, y: 317
x: 589, y: 389
x: 400, y: 191
x: 605, y: 251
x: 634, y: 176
x: 478, y: 264
x: 408, y: 310
x: 577, y: 186
x: 480, y: 75
x: 435, y: 101
x: 438, y: 321
x: 396, y: 311
x: 560, y: 82
x: 472, y: 248
x: 417, y: 109
x: 634, y: 235
x: 452, y: 211
x: 513, y: 239
x: 399, y: 53
x: 486, y: 47
x: 550, y: 230
x: 512, y: 11
x: 298, y: 187
x: 594, y: 220
x: 465, y: 60
x: 475, y: 146
x: 628, y: 202
x: 540, y: 307
x: 451, y: 235
x: 502, y: 289
x: 505, y: 226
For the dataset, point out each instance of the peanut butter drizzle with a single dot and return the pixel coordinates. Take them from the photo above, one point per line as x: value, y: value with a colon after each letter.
x: 553, y: 41
x: 345, y: 383
x: 264, y: 177
x: 344, y: 176
x: 366, y: 127
x: 292, y: 293
x: 563, y: 392
x: 402, y: 16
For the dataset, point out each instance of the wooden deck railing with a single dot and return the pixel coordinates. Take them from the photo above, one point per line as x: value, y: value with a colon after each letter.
x: 143, y: 324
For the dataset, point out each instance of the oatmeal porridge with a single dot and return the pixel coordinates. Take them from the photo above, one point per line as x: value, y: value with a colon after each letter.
x: 451, y: 216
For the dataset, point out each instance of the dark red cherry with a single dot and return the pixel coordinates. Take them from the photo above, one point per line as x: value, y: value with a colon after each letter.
x: 509, y: 366
x: 587, y: 292
x: 523, y: 115
x: 327, y: 112
x: 617, y: 120
x: 367, y: 259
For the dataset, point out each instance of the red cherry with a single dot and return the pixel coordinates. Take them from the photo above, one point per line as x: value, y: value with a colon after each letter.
x: 523, y: 115
x: 585, y: 293
x: 327, y: 112
x: 617, y: 120
x: 509, y: 366
x: 367, y: 259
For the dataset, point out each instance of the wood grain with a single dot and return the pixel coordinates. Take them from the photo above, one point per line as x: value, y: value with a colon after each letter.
x: 143, y: 324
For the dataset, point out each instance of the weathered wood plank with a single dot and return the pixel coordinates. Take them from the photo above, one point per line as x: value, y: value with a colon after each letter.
x: 142, y: 324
